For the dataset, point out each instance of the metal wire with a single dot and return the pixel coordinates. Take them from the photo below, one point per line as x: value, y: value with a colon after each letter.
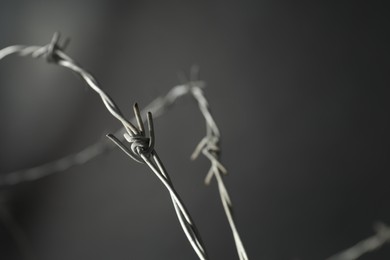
x: 142, y: 151
x: 367, y: 245
x: 210, y: 148
x: 142, y: 147
x: 158, y: 106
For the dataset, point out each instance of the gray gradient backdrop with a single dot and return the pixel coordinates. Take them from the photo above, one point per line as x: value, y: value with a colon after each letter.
x: 300, y: 92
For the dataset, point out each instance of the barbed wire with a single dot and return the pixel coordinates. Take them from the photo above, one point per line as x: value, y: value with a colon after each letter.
x: 157, y: 107
x: 142, y: 151
x: 210, y: 147
x: 367, y: 245
x: 141, y: 146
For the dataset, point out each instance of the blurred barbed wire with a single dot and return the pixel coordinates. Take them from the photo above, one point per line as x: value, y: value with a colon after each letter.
x: 367, y: 245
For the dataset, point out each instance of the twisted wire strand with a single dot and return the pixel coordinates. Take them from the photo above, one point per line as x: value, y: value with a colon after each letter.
x: 157, y: 107
x: 210, y: 148
x: 142, y: 146
x: 142, y: 151
x: 367, y: 245
x: 54, y: 54
x: 185, y: 220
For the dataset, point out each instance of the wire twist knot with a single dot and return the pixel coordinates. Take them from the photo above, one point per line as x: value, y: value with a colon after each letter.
x: 50, y: 51
x: 141, y: 145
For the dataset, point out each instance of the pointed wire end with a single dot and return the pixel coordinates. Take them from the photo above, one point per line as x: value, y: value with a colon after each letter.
x: 111, y: 137
x: 150, y: 116
x: 54, y: 41
x: 198, y: 149
x: 380, y: 227
x: 151, y: 131
x: 222, y: 169
x: 138, y: 117
x: 115, y: 140
x: 208, y: 178
x: 52, y: 47
x: 194, y: 155
x: 127, y: 137
x: 129, y: 131
x: 136, y: 110
x: 123, y: 148
x: 56, y: 37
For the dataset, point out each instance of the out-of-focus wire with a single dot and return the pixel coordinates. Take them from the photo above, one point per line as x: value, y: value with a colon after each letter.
x: 209, y: 146
x: 367, y: 245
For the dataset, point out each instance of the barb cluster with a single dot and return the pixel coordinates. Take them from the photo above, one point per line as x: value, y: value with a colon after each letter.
x: 140, y: 144
x: 210, y: 148
x: 142, y: 151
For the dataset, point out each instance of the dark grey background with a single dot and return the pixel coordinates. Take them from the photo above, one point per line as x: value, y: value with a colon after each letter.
x: 300, y: 92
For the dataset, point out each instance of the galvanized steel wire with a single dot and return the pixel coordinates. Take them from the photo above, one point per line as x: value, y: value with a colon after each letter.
x: 141, y: 146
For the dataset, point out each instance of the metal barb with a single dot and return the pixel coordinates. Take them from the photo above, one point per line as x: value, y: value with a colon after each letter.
x: 52, y: 48
x: 140, y: 143
x: 158, y: 107
x: 127, y: 151
x: 210, y: 148
x: 142, y: 150
x: 137, y: 114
